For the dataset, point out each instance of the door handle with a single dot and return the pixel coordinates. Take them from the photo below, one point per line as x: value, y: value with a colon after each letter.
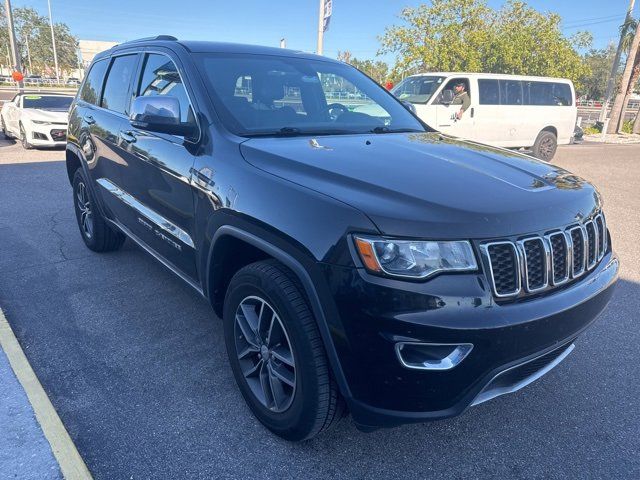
x: 89, y: 119
x: 128, y: 136
x: 472, y: 112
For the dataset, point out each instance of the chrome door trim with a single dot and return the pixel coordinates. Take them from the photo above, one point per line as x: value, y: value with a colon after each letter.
x: 157, y: 256
x: 151, y: 215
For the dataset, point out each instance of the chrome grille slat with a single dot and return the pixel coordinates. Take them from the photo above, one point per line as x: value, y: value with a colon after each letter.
x: 592, y: 244
x: 541, y: 262
x: 601, y: 234
x: 560, y: 269
x: 488, y: 251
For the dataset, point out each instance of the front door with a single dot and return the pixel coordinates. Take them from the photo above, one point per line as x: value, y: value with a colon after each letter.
x: 157, y: 180
x: 447, y: 120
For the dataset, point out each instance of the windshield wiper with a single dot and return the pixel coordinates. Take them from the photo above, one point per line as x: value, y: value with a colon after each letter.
x: 386, y: 129
x: 295, y: 131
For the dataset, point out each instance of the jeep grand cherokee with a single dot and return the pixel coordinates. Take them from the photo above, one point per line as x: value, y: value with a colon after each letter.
x: 360, y: 261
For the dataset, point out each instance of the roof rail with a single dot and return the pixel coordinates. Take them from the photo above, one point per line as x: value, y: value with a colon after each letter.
x: 170, y: 38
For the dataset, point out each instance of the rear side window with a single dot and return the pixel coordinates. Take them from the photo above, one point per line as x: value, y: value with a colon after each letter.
x: 160, y: 77
x: 116, y: 88
x: 90, y: 92
x: 489, y: 91
x: 511, y: 92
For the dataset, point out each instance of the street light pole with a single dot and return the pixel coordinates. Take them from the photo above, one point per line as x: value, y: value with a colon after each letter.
x: 12, y: 41
x: 53, y: 41
x: 320, y: 28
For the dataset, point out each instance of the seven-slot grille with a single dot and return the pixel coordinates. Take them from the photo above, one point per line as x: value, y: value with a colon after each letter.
x: 540, y: 262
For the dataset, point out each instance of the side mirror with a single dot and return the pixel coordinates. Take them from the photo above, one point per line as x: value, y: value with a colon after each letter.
x: 161, y: 114
x: 409, y: 106
x: 446, y: 97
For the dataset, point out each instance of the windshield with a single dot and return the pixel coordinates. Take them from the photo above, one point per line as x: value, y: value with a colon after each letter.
x: 47, y: 102
x: 272, y: 95
x: 417, y: 89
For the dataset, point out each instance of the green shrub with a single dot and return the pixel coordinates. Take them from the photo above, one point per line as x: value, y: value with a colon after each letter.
x: 591, y: 130
x: 627, y: 127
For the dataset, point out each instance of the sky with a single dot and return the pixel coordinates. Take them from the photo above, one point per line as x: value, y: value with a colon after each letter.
x: 355, y: 24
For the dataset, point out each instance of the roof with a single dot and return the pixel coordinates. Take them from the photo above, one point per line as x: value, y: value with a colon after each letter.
x: 215, y: 47
x: 490, y: 75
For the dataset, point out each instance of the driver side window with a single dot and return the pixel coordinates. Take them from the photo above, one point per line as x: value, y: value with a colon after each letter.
x: 161, y: 77
x: 450, y: 85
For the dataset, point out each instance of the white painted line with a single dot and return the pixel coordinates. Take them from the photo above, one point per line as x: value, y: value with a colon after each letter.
x: 71, y: 464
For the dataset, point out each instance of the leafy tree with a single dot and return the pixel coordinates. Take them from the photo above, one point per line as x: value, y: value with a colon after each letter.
x: 376, y: 69
x: 34, y: 29
x: 598, y: 63
x: 469, y: 35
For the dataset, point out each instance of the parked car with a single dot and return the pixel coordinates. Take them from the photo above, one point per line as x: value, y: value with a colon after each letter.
x: 72, y: 81
x: 37, y: 120
x: 360, y: 262
x: 511, y: 111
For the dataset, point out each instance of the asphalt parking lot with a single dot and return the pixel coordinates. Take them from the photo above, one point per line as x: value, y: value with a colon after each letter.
x: 134, y: 361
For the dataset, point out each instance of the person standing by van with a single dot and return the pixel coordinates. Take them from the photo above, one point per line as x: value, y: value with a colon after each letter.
x: 461, y: 97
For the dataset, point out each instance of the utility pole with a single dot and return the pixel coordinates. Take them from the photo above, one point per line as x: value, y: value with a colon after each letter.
x: 53, y: 41
x: 283, y: 43
x: 320, y: 28
x: 614, y: 67
x: 12, y: 41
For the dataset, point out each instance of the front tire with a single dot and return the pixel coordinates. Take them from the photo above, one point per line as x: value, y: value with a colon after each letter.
x: 545, y: 146
x: 96, y: 233
x: 23, y: 139
x: 276, y: 353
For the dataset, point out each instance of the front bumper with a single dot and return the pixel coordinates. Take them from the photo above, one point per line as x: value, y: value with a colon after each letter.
x: 376, y: 313
x: 48, y: 135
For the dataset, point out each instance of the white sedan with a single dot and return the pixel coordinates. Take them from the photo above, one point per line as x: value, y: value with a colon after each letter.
x: 36, y: 119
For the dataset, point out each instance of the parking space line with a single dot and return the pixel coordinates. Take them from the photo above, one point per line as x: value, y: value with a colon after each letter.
x: 71, y: 463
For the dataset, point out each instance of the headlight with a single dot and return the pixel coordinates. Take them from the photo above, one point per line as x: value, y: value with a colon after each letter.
x: 416, y: 259
x: 40, y: 122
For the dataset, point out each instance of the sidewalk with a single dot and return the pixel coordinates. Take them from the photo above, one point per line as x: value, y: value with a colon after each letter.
x: 34, y: 443
x: 25, y: 453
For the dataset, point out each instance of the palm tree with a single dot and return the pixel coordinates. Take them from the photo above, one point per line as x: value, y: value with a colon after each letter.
x: 631, y: 38
x: 626, y: 30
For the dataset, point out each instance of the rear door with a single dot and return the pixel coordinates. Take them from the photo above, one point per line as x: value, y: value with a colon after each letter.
x: 158, y: 169
x: 102, y: 110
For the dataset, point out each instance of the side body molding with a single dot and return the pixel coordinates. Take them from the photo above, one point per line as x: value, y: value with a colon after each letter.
x: 304, y: 278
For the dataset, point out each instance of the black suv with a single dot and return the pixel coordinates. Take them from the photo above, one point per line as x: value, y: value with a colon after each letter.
x: 360, y: 261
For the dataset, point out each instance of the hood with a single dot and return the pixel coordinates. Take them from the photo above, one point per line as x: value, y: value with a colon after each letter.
x: 427, y: 185
x: 61, y: 116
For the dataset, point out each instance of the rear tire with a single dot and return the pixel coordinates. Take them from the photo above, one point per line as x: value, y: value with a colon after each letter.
x: 96, y: 233
x: 308, y: 402
x: 545, y: 146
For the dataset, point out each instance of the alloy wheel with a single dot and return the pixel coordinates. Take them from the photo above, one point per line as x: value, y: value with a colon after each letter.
x: 547, y: 148
x: 264, y: 353
x: 84, y: 207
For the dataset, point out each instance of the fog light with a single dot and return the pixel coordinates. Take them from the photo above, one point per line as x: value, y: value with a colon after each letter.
x: 39, y: 136
x: 432, y: 356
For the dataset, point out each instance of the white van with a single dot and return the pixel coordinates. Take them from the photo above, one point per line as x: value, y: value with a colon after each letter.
x: 509, y: 111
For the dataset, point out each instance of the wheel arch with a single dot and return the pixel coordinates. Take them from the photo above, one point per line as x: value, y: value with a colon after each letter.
x: 256, y: 248
x: 550, y: 128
